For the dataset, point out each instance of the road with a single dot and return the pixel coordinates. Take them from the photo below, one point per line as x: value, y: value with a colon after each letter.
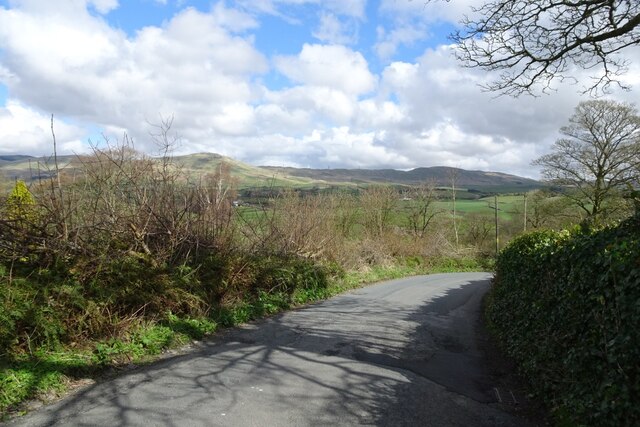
x: 399, y: 353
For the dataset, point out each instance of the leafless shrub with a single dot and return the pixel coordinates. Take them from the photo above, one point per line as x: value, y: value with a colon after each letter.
x: 346, y: 210
x: 213, y: 210
x: 117, y: 200
x: 378, y: 204
x: 302, y: 224
x: 367, y: 253
x: 479, y: 230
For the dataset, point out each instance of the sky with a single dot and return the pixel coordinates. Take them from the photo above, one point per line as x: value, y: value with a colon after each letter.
x: 303, y: 83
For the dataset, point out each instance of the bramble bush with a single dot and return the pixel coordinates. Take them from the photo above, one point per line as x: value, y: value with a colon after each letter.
x: 566, y: 307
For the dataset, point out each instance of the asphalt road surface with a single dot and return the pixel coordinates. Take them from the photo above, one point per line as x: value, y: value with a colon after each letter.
x: 399, y: 353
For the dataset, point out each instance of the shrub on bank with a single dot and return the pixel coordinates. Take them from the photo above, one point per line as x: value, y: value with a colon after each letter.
x: 46, y: 308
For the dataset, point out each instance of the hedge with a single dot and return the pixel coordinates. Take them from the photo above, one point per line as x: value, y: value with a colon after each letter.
x: 566, y: 307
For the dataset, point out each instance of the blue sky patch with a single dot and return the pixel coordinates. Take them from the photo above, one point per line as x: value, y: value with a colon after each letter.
x: 3, y: 95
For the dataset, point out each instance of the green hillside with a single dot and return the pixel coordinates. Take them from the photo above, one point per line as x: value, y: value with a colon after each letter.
x: 441, y: 175
x: 472, y: 184
x: 248, y: 176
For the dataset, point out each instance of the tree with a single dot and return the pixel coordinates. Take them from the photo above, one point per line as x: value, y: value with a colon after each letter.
x: 479, y: 228
x: 546, y: 209
x: 378, y: 203
x: 599, y: 156
x: 535, y: 42
x: 422, y: 210
x: 346, y: 211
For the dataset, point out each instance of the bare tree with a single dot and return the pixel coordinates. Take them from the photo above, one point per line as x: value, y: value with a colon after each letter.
x: 302, y: 224
x: 535, y: 42
x: 378, y: 204
x: 422, y: 209
x: 546, y: 209
x: 479, y: 228
x: 599, y: 156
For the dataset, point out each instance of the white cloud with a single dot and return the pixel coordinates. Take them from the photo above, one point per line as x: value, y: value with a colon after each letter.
x: 372, y: 114
x: 205, y: 71
x: 334, y: 31
x: 323, y: 102
x: 24, y: 130
x: 232, y: 19
x: 429, y: 11
x: 104, y: 6
x: 405, y: 34
x: 272, y: 118
x: 435, y: 88
x: 343, y: 147
x: 351, y: 8
x: 64, y: 7
x: 76, y: 65
x: 235, y: 119
x: 334, y: 147
x: 354, y: 8
x: 332, y: 66
x: 411, y: 21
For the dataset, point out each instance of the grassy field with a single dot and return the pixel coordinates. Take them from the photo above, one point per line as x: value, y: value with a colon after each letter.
x: 509, y: 207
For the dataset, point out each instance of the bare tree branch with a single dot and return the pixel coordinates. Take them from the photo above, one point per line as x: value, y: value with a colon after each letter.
x: 533, y: 43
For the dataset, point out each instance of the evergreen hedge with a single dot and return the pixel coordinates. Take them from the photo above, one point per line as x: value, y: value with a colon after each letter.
x: 566, y: 307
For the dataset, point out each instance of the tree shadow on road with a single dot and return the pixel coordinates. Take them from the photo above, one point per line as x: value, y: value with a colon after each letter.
x: 350, y: 360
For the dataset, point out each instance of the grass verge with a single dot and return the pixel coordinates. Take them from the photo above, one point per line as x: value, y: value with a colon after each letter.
x: 46, y: 375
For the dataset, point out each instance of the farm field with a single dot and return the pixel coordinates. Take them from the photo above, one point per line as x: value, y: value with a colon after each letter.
x: 508, y: 206
x: 510, y: 209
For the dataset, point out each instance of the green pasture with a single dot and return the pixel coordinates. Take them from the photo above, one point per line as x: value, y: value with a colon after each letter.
x: 510, y: 207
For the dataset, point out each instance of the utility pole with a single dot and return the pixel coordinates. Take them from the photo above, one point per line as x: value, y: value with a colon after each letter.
x: 495, y: 202
x: 453, y: 175
x: 525, y: 212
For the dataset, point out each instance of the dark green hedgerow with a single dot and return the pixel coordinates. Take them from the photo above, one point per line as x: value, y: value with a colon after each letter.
x: 566, y: 307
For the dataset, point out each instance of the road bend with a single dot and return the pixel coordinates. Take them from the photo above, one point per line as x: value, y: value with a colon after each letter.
x: 405, y: 352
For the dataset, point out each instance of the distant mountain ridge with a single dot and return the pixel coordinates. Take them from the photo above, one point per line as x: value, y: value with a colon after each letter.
x: 198, y: 164
x: 4, y: 159
x: 441, y: 175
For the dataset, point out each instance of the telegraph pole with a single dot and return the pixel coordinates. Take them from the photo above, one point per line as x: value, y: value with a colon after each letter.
x: 495, y: 202
x: 525, y: 212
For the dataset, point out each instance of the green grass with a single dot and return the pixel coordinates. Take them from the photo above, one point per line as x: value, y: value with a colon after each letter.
x: 47, y: 374
x: 466, y: 206
x: 509, y: 206
x: 40, y: 375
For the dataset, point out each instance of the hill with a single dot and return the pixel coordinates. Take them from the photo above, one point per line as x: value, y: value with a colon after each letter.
x: 248, y: 176
x: 441, y: 175
x: 12, y: 158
